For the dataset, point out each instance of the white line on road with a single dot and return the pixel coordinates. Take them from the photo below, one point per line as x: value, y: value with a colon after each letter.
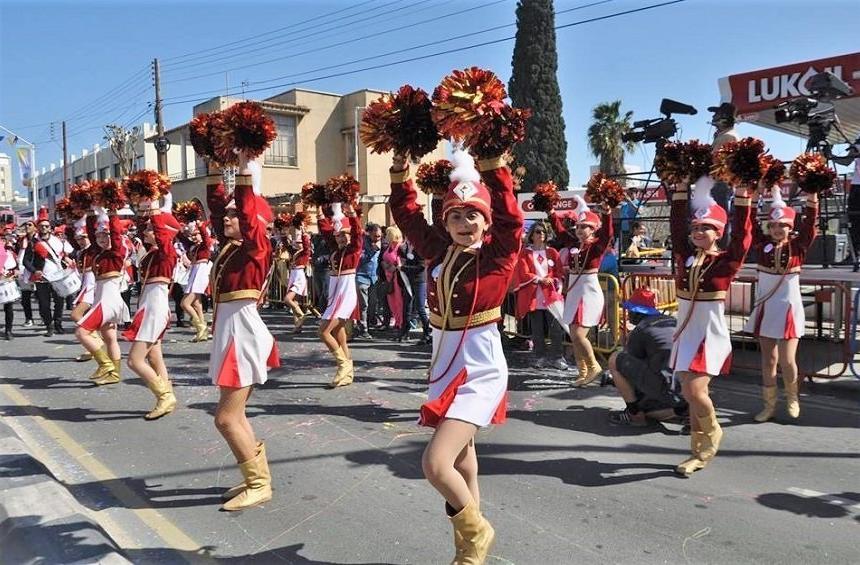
x: 835, y: 500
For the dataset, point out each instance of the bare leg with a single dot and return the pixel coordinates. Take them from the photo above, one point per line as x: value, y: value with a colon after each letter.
x: 89, y: 341
x: 341, y: 340
x: 186, y: 305
x: 109, y: 336
x: 467, y: 465
x: 233, y: 425
x: 327, y: 333
x: 787, y: 360
x: 156, y: 359
x: 694, y: 387
x: 137, y: 362
x: 449, y: 440
x: 624, y: 388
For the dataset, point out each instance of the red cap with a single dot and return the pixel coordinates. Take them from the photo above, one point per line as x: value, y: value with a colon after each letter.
x: 714, y: 215
x: 589, y: 218
x: 783, y: 215
x: 43, y: 215
x: 467, y: 194
x: 61, y: 229
x: 643, y: 300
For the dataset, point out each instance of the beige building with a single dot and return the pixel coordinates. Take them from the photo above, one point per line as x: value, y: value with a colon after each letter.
x: 7, y: 192
x: 316, y: 140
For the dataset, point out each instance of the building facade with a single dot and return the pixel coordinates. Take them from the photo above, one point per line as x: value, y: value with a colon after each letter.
x: 315, y: 141
x: 7, y: 192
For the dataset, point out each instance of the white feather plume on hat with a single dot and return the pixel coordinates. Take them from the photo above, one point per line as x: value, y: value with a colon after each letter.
x: 581, y: 204
x: 702, y: 198
x: 464, y: 166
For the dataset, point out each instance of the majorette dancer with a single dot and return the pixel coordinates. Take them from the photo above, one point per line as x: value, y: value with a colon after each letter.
x: 346, y: 236
x: 778, y: 318
x: 704, y: 274
x: 9, y: 269
x: 108, y: 308
x: 152, y: 318
x: 298, y: 281
x: 85, y: 251
x: 583, y: 302
x: 243, y: 349
x: 471, y: 261
x: 200, y: 256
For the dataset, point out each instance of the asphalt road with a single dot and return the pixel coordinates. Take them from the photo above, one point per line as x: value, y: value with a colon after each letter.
x: 559, y: 483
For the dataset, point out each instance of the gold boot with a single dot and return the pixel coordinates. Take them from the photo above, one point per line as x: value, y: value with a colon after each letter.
x: 792, y: 402
x: 202, y: 331
x: 165, y: 400
x: 234, y: 491
x: 342, y: 377
x: 768, y: 394
x: 258, y: 484
x: 692, y: 463
x: 711, y: 436
x: 105, y: 365
x: 592, y: 369
x: 477, y: 536
x: 113, y: 376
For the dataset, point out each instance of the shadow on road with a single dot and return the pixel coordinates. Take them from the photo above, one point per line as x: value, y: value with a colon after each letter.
x: 370, y: 413
x: 98, y: 495
x: 810, y: 507
x: 72, y: 414
x: 287, y: 554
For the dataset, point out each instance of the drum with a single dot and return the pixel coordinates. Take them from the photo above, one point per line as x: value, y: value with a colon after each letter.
x: 65, y: 283
x: 9, y: 291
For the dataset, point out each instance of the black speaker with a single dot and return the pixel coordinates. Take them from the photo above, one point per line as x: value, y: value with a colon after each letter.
x: 835, y: 245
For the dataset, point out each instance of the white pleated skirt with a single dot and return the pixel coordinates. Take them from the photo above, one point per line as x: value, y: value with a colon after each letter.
x: 781, y: 316
x: 583, y: 304
x: 153, y: 314
x: 342, y: 298
x: 704, y: 344
x: 88, y: 288
x: 108, y: 306
x: 298, y: 282
x: 243, y: 349
x: 198, y: 278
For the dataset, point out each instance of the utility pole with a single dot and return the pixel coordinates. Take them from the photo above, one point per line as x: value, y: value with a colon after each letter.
x: 65, y: 163
x: 161, y: 143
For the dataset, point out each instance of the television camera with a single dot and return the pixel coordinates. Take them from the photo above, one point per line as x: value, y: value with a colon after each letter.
x: 658, y: 130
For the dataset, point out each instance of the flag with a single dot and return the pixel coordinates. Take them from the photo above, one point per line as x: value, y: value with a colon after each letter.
x: 25, y: 162
x: 12, y: 140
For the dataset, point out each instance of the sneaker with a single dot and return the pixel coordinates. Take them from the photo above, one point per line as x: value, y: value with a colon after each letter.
x: 625, y: 418
x: 560, y: 364
x: 8, y: 336
x: 49, y: 331
x: 539, y: 363
x: 28, y: 323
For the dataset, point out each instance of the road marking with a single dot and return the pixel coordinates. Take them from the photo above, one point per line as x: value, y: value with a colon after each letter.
x: 174, y: 537
x: 835, y: 500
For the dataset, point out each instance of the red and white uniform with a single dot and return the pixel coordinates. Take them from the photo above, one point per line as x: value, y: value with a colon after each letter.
x: 50, y: 253
x: 156, y: 272
x: 466, y: 287
x: 85, y: 265
x: 242, y: 347
x: 342, y: 293
x: 298, y: 282
x: 778, y: 311
x: 200, y: 257
x: 584, y: 300
x: 108, y: 268
x: 533, y: 267
x: 702, y: 280
x: 9, y: 291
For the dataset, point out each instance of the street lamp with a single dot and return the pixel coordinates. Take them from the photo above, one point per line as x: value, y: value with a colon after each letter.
x: 355, y: 137
x: 33, y: 186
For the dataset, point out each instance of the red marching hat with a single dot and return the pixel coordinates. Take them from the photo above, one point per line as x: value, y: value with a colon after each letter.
x: 705, y: 210
x: 466, y: 189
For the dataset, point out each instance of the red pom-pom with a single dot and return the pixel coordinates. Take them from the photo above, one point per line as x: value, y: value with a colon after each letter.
x: 603, y: 190
x: 669, y: 163
x: 301, y: 219
x: 201, y: 135
x: 546, y: 197
x: 435, y: 177
x: 282, y: 221
x: 314, y: 194
x: 737, y: 162
x: 109, y: 194
x: 188, y: 211
x: 498, y: 133
x: 772, y: 170
x: 697, y: 158
x: 81, y: 198
x: 464, y: 98
x: 145, y: 185
x: 343, y: 188
x: 400, y: 122
x: 811, y: 173
x: 245, y: 127
x: 63, y: 208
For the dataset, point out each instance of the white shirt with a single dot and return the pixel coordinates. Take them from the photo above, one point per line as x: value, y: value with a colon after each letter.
x: 541, y: 265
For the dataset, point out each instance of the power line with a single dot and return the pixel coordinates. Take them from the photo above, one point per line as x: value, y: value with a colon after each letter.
x: 436, y: 54
x: 346, y: 42
x: 244, y: 40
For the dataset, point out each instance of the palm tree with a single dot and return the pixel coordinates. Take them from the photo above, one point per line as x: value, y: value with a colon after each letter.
x: 604, y: 136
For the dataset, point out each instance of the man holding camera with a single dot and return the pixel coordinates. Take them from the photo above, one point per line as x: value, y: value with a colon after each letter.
x: 724, y: 121
x: 853, y: 196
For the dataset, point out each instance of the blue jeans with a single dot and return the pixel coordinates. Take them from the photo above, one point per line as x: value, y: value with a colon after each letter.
x: 415, y: 302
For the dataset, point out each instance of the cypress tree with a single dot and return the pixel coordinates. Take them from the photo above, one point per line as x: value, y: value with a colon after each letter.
x: 534, y: 85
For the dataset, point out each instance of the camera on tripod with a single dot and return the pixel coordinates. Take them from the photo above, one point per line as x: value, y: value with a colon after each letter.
x: 816, y: 111
x: 658, y: 129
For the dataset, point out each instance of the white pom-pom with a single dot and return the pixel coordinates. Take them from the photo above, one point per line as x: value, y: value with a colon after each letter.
x: 167, y: 207
x: 702, y: 193
x: 256, y: 176
x: 777, y: 201
x: 464, y: 167
x: 81, y: 223
x: 581, y: 204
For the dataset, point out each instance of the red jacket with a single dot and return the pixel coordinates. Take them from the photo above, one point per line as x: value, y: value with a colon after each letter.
x: 157, y: 265
x: 302, y: 257
x: 525, y: 284
x: 707, y: 276
x: 109, y: 263
x: 779, y: 259
x: 242, y: 267
x: 344, y: 261
x: 484, y: 273
x: 585, y: 257
x: 202, y: 251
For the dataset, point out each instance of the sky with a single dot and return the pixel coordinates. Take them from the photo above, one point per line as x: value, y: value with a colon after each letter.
x: 88, y: 62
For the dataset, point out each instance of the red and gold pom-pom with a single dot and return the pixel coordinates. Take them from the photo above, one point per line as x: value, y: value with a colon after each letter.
x: 282, y: 221
x: 464, y: 98
x: 737, y: 162
x: 109, y: 194
x: 669, y: 163
x: 145, y: 185
x: 343, y: 188
x: 400, y: 122
x: 63, y: 208
x: 811, y: 173
x: 498, y: 133
x: 601, y: 189
x: 772, y: 170
x: 301, y: 219
x: 697, y: 158
x: 201, y: 136
x: 546, y: 197
x: 188, y: 211
x: 247, y: 128
x: 435, y: 177
x: 314, y: 194
x: 81, y: 197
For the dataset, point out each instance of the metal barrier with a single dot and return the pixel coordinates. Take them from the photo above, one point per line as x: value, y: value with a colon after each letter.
x: 825, y: 350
